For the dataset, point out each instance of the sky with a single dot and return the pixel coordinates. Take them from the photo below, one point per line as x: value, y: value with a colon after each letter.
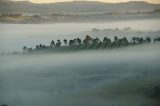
x: 112, y: 1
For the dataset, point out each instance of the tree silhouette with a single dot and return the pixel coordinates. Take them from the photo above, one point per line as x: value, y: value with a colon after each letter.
x: 158, y: 39
x: 125, y: 41
x: 65, y: 41
x: 87, y: 40
x: 155, y: 40
x: 79, y: 41
x: 148, y: 40
x: 71, y: 42
x: 98, y: 41
x: 44, y: 46
x: 25, y: 48
x: 40, y: 46
x: 115, y: 39
x: 134, y: 40
x: 52, y: 44
x: 120, y: 41
x: 109, y: 41
x: 141, y: 40
x: 89, y: 43
x: 37, y: 47
x: 105, y: 40
x: 75, y: 41
x: 58, y: 44
x: 95, y: 41
x: 137, y: 40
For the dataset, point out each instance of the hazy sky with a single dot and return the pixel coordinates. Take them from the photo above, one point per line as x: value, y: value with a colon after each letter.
x: 113, y: 1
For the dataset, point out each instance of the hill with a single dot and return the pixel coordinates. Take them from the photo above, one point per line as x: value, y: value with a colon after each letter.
x: 75, y: 7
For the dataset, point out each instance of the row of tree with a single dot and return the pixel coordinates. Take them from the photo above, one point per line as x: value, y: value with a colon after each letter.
x: 90, y: 43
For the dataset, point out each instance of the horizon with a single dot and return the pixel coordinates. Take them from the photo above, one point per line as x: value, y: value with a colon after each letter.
x: 107, y: 1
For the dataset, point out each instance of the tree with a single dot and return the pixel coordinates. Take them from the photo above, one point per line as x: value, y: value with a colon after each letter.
x: 75, y: 41
x: 44, y: 46
x: 148, y: 40
x: 65, y: 41
x: 71, y: 42
x: 158, y: 39
x: 155, y: 40
x: 134, y: 40
x: 105, y: 40
x: 98, y: 40
x: 95, y: 41
x: 109, y: 41
x: 58, y: 44
x: 40, y: 46
x: 115, y: 39
x: 79, y: 41
x: 37, y: 47
x: 125, y: 41
x: 87, y: 40
x: 121, y: 41
x: 141, y: 40
x: 24, y: 48
x: 52, y: 44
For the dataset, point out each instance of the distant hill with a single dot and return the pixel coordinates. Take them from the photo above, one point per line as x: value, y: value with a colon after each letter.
x: 75, y: 7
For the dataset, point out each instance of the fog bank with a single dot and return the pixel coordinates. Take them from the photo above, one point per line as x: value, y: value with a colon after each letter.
x: 81, y: 79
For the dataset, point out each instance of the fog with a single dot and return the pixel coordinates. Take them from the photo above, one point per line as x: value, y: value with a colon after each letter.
x: 118, y: 77
x: 112, y: 77
x: 15, y: 36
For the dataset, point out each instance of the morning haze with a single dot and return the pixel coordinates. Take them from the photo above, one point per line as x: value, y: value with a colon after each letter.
x: 82, y: 53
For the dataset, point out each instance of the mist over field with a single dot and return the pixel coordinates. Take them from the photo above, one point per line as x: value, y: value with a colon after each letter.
x: 126, y: 76
x: 14, y: 36
x: 56, y: 55
x: 123, y: 77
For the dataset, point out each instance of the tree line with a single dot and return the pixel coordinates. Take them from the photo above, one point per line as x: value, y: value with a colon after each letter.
x: 90, y: 43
